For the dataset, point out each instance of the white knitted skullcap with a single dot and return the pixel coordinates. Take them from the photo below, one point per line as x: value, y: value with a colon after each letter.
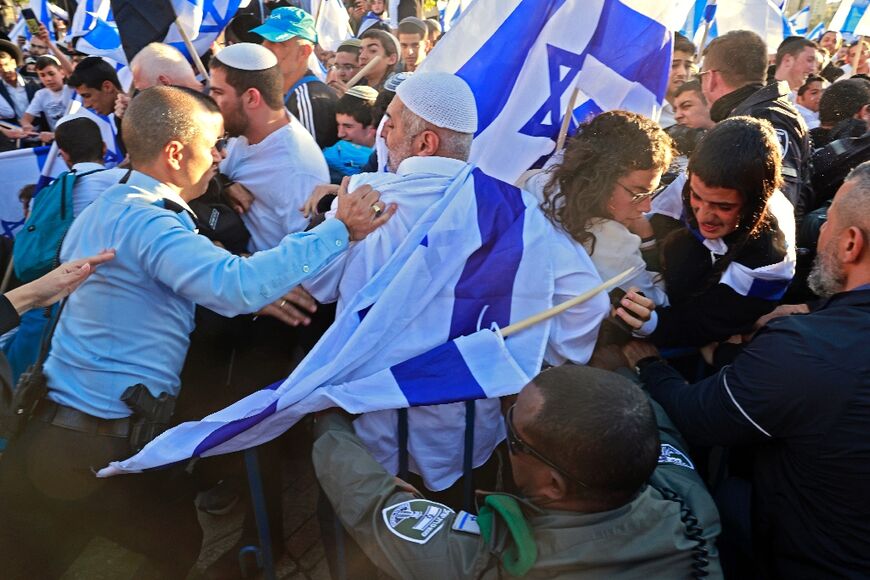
x: 247, y: 56
x: 363, y: 93
x: 440, y: 98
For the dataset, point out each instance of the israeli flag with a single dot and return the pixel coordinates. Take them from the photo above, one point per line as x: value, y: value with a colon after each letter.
x: 207, y: 18
x: 421, y: 331
x: 21, y: 167
x: 524, y: 58
x: 863, y: 26
x: 764, y: 17
x: 847, y: 16
x: 800, y: 21
x: 94, y: 26
x: 449, y: 12
x: 817, y: 32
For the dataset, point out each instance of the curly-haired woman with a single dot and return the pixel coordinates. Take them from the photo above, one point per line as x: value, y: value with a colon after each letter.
x: 600, y: 189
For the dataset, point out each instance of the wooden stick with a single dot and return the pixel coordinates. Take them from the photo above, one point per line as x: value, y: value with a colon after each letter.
x: 551, y: 312
x: 317, y: 15
x: 192, y: 51
x: 859, y: 48
x: 566, y: 120
x: 358, y: 76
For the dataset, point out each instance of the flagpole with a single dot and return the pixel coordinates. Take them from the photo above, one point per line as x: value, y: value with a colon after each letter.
x: 192, y: 51
x: 859, y: 45
x: 551, y: 312
x: 566, y: 120
x: 358, y: 76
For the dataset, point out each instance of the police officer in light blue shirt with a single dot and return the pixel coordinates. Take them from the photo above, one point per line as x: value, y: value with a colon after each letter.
x: 129, y: 324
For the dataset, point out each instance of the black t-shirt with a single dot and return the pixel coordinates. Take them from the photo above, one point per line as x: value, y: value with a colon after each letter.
x: 800, y: 394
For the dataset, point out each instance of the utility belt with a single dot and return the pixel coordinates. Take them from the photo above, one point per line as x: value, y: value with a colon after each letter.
x: 151, y: 417
x: 75, y: 420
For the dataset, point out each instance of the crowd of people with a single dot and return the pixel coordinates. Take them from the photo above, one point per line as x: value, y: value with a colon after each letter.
x: 708, y: 417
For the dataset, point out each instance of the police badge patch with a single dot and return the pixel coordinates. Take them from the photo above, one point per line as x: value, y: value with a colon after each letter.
x: 782, y: 140
x: 673, y: 456
x: 417, y: 520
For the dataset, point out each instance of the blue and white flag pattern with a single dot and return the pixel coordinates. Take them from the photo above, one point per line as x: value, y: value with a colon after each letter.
x: 22, y: 167
x: 94, y: 26
x: 524, y: 58
x: 764, y: 17
x: 450, y: 11
x: 847, y: 17
x: 767, y: 282
x: 817, y: 32
x: 417, y: 333
x: 800, y: 21
x: 203, y: 20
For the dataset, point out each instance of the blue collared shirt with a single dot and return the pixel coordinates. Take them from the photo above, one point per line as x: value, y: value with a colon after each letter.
x: 130, y: 321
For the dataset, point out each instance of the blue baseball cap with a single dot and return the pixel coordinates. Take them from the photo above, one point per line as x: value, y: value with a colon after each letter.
x: 288, y: 22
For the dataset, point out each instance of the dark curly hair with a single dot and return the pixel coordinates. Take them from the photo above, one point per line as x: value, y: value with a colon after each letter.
x: 739, y: 153
x: 608, y: 147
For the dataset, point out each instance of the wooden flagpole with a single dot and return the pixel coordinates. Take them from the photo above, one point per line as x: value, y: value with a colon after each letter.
x: 566, y: 120
x: 192, y: 51
x: 358, y: 76
x: 551, y: 312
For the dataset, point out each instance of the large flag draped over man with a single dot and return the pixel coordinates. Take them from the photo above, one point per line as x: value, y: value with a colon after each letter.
x: 523, y: 59
x: 419, y: 332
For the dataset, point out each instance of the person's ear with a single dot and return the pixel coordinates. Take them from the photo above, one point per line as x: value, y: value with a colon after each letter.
x: 429, y: 144
x: 392, y: 59
x: 65, y: 156
x: 173, y: 153
x: 556, y: 488
x: 852, y: 244
x: 163, y: 80
x: 252, y: 98
x: 107, y: 87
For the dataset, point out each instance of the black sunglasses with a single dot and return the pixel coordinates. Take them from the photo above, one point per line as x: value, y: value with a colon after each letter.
x: 517, y: 445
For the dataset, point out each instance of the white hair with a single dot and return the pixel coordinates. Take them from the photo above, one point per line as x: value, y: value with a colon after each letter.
x: 158, y: 59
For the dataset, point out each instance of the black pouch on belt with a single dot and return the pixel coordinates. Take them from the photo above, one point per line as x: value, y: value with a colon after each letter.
x: 151, y: 415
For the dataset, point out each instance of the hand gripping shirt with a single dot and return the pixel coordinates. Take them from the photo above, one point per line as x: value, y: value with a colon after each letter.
x: 130, y: 321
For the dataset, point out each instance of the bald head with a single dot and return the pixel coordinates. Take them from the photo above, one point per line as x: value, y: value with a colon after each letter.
x: 162, y: 114
x: 162, y: 64
x: 853, y: 203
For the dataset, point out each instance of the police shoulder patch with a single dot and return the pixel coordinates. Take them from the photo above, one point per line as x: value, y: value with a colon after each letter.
x: 416, y: 520
x: 670, y: 455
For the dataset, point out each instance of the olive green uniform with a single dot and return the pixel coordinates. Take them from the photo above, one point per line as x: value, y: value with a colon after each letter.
x: 667, y: 531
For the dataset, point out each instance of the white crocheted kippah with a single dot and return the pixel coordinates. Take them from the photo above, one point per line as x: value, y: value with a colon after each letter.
x: 247, y: 56
x: 443, y: 99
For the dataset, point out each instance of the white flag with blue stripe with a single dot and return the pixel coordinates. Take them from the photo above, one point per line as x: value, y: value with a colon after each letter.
x: 409, y: 337
x: 523, y: 59
x: 767, y: 282
x: 800, y: 21
x: 849, y: 13
x: 764, y: 17
x: 817, y: 32
x: 22, y: 167
x: 94, y: 28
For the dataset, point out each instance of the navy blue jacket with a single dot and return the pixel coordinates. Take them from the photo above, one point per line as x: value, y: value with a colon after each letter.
x: 800, y: 395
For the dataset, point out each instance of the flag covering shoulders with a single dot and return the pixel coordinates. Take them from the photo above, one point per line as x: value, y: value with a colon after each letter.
x: 477, y: 258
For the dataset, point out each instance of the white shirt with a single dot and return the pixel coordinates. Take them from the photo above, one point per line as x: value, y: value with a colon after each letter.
x: 280, y: 171
x: 616, y: 249
x: 666, y: 118
x: 53, y: 104
x: 811, y: 117
x: 90, y: 187
x: 19, y: 99
x: 436, y: 433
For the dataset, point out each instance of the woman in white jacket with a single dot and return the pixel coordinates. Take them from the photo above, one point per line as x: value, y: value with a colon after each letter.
x: 599, y: 190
